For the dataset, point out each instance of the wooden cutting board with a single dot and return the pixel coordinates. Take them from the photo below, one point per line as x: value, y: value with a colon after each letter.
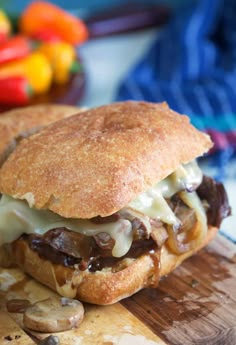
x: 196, y: 304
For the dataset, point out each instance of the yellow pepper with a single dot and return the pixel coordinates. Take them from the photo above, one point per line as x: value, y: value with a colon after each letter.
x: 35, y: 67
x: 61, y: 56
x: 5, y: 25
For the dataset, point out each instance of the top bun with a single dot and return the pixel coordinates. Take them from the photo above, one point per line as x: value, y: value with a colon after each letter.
x: 96, y: 162
x: 22, y: 122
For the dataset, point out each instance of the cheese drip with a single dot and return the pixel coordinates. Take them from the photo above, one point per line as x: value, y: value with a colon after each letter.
x: 153, y: 204
x: 16, y: 217
x: 192, y: 200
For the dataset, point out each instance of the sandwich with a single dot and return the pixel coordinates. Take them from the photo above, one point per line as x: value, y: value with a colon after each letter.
x: 102, y: 204
x: 22, y: 122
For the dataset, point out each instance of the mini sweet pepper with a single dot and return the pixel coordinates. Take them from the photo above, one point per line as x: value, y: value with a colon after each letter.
x: 5, y: 26
x: 62, y: 57
x: 15, y: 91
x: 14, y: 48
x: 43, y: 14
x: 35, y: 67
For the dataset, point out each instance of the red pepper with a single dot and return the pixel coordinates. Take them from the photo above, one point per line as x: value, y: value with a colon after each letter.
x: 46, y: 35
x: 14, y: 48
x: 3, y: 37
x: 15, y: 91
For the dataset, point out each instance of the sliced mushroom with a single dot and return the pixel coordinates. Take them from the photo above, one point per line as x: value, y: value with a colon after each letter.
x: 51, y: 340
x: 17, y: 305
x: 54, y: 315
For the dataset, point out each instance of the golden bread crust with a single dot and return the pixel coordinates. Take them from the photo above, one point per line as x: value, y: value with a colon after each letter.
x: 103, y: 287
x: 95, y: 163
x: 22, y: 122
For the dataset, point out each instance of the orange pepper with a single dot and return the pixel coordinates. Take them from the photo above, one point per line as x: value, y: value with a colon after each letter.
x: 42, y: 14
x: 35, y: 67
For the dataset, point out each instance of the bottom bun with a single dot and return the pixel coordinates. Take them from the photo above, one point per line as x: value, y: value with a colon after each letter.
x: 102, y: 287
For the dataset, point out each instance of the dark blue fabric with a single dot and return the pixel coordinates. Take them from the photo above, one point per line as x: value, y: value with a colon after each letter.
x: 192, y: 66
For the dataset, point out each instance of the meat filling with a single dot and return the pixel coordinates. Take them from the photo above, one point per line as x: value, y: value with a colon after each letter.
x: 69, y: 248
x: 93, y: 259
x: 213, y: 193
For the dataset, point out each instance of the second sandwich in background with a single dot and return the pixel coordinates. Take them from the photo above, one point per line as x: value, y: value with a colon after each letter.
x: 20, y: 123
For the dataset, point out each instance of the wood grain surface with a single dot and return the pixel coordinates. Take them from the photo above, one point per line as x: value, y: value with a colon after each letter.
x: 196, y: 304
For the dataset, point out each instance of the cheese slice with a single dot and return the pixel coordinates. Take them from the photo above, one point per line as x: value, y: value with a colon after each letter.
x: 16, y: 217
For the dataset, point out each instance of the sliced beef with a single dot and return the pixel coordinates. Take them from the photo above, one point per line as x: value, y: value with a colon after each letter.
x: 218, y: 205
x: 68, y: 248
x: 69, y: 242
x: 141, y: 225
x: 104, y: 241
x: 104, y: 220
x: 139, y: 229
x: 45, y: 250
x: 137, y: 249
x: 95, y: 259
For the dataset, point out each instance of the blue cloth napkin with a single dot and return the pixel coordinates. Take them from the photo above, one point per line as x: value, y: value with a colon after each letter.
x: 192, y: 66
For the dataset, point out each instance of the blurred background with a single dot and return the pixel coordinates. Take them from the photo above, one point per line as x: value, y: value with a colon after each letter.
x: 86, y: 8
x: 179, y: 51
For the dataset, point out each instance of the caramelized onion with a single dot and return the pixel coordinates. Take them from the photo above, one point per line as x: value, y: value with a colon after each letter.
x: 194, y: 236
x: 199, y: 232
x: 159, y: 235
x: 175, y: 245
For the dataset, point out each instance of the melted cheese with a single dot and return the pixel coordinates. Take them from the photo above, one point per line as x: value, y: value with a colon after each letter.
x: 192, y: 200
x: 153, y: 203
x: 16, y: 217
